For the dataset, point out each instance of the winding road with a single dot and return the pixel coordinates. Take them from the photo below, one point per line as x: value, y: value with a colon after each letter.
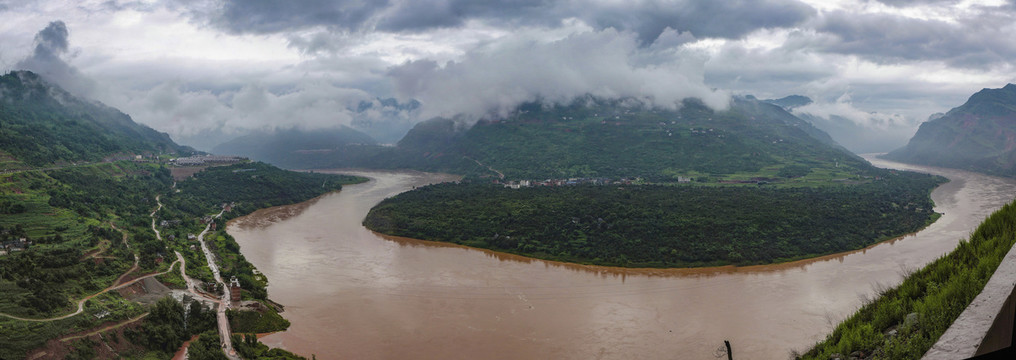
x: 223, y: 322
x: 118, y: 284
x: 81, y: 303
x: 224, y: 331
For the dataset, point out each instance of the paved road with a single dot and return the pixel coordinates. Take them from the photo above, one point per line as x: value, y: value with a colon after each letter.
x: 224, y: 331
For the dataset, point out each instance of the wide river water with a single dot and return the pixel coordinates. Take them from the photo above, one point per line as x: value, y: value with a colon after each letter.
x: 353, y: 294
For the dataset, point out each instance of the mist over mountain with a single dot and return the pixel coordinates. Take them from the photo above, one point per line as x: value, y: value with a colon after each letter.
x: 858, y: 131
x: 790, y: 102
x: 277, y: 147
x: 40, y: 123
x: 979, y: 135
x: 385, y: 120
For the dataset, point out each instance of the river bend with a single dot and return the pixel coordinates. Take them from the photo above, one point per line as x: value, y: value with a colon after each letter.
x: 352, y: 294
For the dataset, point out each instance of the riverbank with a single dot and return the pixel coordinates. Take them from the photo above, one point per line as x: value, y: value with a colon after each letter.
x: 663, y: 226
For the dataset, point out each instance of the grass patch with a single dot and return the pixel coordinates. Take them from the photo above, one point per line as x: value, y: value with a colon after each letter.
x: 173, y: 279
x: 256, y: 322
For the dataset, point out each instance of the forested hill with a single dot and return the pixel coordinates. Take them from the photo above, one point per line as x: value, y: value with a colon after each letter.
x: 42, y: 124
x: 979, y: 135
x: 609, y: 138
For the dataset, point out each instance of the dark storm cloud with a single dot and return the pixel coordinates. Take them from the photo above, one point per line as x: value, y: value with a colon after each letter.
x: 976, y: 41
x: 906, y: 3
x: 51, y: 43
x: 269, y: 16
x: 725, y: 19
x: 418, y: 15
x: 702, y: 18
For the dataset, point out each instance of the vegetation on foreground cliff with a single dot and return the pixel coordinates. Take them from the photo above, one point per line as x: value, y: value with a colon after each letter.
x: 905, y: 321
x: 662, y: 226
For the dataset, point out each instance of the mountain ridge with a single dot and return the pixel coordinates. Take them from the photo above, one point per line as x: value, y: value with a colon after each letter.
x: 979, y: 135
x: 43, y: 124
x: 616, y: 138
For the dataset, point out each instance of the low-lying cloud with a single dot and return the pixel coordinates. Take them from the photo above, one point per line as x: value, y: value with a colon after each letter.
x: 857, y: 130
x: 46, y: 59
x: 492, y: 80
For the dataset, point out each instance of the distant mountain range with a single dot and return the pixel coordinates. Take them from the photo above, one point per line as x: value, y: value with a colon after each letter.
x: 42, y: 124
x: 282, y: 146
x: 979, y: 135
x: 601, y: 138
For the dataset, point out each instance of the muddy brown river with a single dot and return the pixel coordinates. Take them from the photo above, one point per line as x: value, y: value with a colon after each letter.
x: 352, y: 294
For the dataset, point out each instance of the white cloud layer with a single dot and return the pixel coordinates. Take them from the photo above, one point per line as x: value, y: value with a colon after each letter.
x: 610, y: 64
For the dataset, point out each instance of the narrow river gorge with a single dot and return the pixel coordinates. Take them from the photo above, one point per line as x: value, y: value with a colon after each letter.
x: 353, y: 294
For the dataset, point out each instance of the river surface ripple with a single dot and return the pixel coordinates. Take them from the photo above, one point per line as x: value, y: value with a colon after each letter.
x: 352, y: 294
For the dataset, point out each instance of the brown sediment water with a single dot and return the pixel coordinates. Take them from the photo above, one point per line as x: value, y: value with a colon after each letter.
x: 354, y: 294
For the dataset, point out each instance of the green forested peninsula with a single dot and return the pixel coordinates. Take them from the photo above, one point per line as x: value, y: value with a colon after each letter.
x: 662, y: 226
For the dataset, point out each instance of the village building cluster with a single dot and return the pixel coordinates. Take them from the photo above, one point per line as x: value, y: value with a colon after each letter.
x: 574, y: 181
x: 13, y: 246
x: 206, y: 159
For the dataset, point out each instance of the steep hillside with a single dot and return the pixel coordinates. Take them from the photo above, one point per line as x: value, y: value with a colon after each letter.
x: 42, y: 124
x: 979, y: 135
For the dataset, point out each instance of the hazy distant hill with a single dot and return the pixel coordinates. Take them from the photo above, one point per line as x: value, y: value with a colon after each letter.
x: 608, y: 138
x: 790, y: 102
x: 979, y: 135
x: 281, y: 147
x: 41, y: 123
x: 848, y: 133
x: 384, y: 119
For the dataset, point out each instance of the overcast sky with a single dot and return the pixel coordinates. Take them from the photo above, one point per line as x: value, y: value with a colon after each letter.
x: 193, y: 67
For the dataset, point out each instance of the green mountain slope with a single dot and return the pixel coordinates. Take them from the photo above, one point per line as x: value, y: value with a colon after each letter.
x: 979, y: 135
x: 42, y: 124
x: 608, y: 139
x: 812, y: 196
x: 612, y: 138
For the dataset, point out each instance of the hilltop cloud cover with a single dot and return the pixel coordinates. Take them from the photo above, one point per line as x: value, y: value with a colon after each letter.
x: 206, y: 70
